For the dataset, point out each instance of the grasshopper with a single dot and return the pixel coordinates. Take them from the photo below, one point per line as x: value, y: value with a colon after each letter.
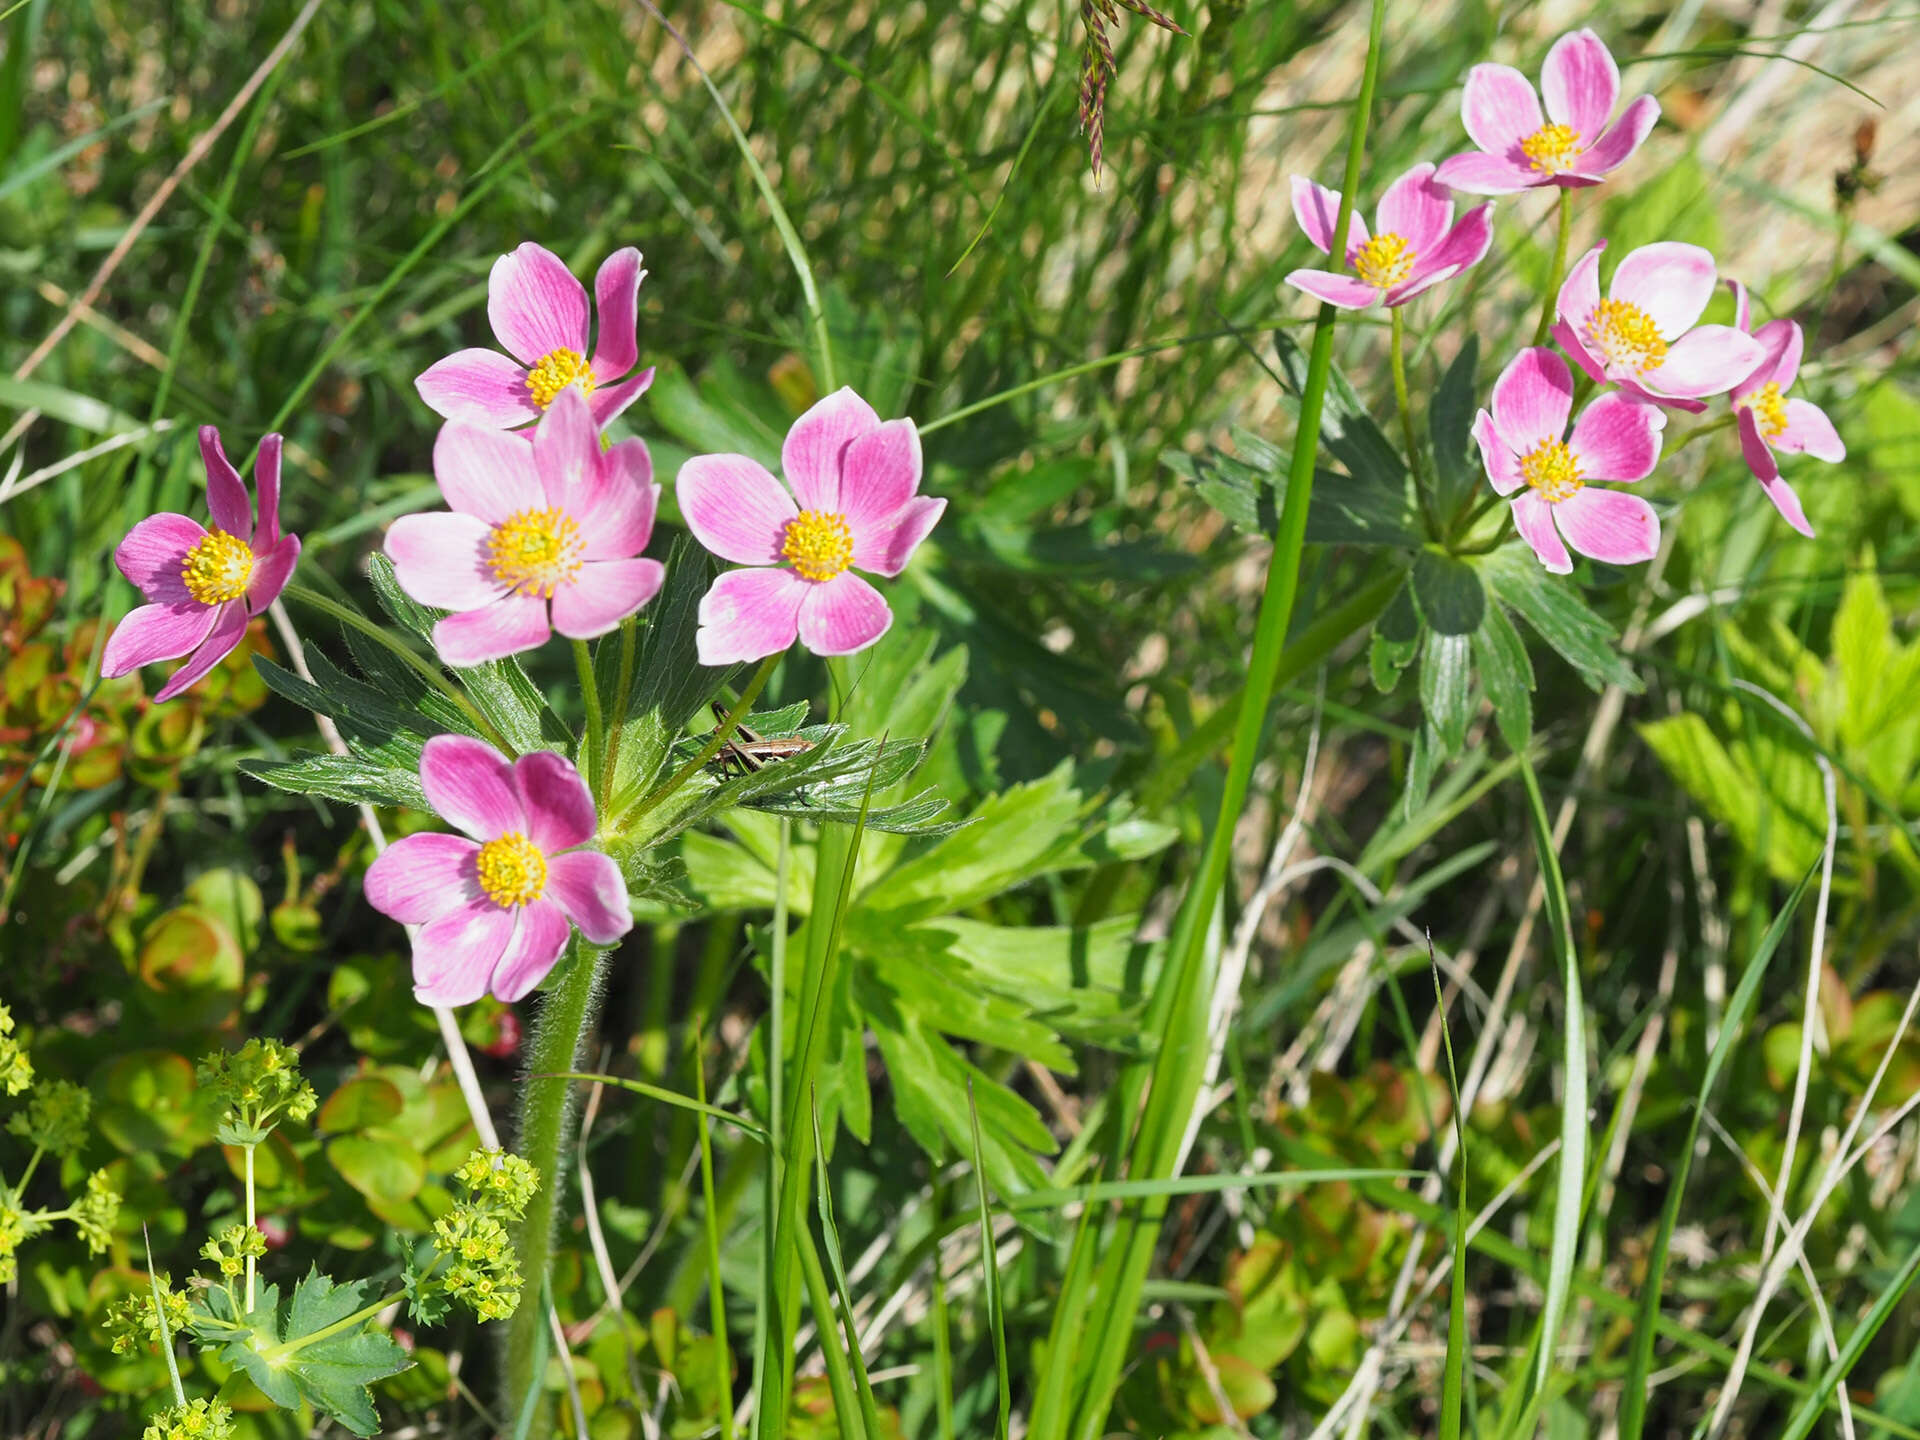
x: 746, y: 751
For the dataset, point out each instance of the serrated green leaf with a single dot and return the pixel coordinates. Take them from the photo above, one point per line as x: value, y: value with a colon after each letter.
x: 1553, y: 607
x: 1395, y: 640
x: 346, y: 778
x: 1507, y: 675
x: 1449, y: 592
x: 1446, y: 688
x: 1450, y: 425
x: 1423, y: 762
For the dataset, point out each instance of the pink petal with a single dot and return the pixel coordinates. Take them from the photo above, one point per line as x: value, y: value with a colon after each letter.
x: 479, y: 387
x: 811, y: 457
x: 229, y: 625
x: 1416, y: 208
x: 566, y: 453
x: 1708, y: 360
x: 885, y: 549
x: 879, y: 474
x: 419, y: 878
x: 843, y: 615
x: 588, y: 887
x: 1341, y: 290
x: 1786, y: 368
x: 1533, y: 518
x: 607, y: 401
x: 1580, y: 291
x: 1742, y: 307
x: 1614, y: 148
x: 616, y: 292
x: 271, y: 573
x: 1532, y: 399
x: 1809, y: 429
x: 1774, y: 337
x: 507, y: 626
x: 1501, y: 464
x: 266, y: 480
x: 1461, y: 248
x: 1500, y: 109
x: 558, y: 806
x: 154, y: 555
x: 1580, y: 83
x: 1316, y: 208
x: 603, y: 594
x: 539, y: 939
x: 535, y: 305
x: 734, y: 507
x: 1787, y: 502
x: 1424, y: 279
x: 1754, y: 448
x: 1609, y: 525
x: 749, y: 614
x: 470, y: 785
x: 454, y: 956
x: 1669, y: 280
x: 1478, y: 173
x: 226, y: 495
x: 1568, y: 339
x: 1616, y: 438
x: 441, y: 560
x: 619, y: 522
x: 153, y: 633
x: 486, y: 472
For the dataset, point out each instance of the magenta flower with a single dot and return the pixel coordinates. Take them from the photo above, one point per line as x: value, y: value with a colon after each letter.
x: 495, y: 907
x: 539, y: 314
x: 203, y: 585
x: 1616, y: 438
x: 1642, y: 336
x: 1768, y: 421
x: 856, y: 482
x: 1415, y: 244
x: 1570, y: 146
x: 540, y: 537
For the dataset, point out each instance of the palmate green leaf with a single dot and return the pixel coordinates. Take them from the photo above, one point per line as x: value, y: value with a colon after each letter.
x: 1446, y: 688
x: 1449, y: 593
x: 1763, y: 788
x: 1553, y: 607
x: 1347, y: 431
x: 672, y: 685
x: 1450, y: 426
x: 351, y: 779
x: 1250, y: 488
x: 1395, y: 641
x: 1507, y: 674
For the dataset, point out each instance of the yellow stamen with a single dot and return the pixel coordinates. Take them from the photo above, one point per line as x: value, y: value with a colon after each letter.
x: 1552, y: 470
x: 818, y: 544
x: 218, y: 568
x: 1626, y: 336
x: 512, y: 870
x: 557, y: 370
x: 536, y: 551
x: 1552, y: 148
x: 1384, y: 261
x: 1770, y: 409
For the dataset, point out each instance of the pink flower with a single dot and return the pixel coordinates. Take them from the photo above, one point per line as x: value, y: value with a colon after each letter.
x: 1642, y: 336
x: 204, y: 585
x: 539, y: 315
x: 1768, y: 422
x: 1414, y: 247
x: 1616, y: 438
x: 1571, y: 145
x: 856, y: 482
x: 556, y: 526
x: 494, y: 908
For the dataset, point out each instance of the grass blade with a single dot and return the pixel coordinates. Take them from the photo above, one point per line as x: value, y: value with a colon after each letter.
x: 830, y: 1235
x: 1453, y: 1380
x: 990, y: 1256
x: 1811, y: 1408
x: 710, y: 1222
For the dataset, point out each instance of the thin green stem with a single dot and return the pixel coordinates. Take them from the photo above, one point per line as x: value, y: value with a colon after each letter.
x: 622, y: 698
x: 716, y: 1292
x: 1709, y: 428
x: 273, y: 1354
x: 1409, y: 436
x: 250, y: 1226
x: 1562, y: 239
x: 593, y: 750
x: 33, y: 1164
x: 721, y: 732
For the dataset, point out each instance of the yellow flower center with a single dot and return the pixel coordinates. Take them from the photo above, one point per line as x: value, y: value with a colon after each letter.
x: 218, y: 568
x: 535, y: 551
x: 1553, y: 472
x: 512, y: 870
x: 1384, y: 261
x: 1626, y: 336
x: 1552, y: 148
x: 557, y: 370
x: 818, y: 544
x: 1770, y: 409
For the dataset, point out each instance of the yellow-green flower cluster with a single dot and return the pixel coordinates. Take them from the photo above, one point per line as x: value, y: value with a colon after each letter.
x: 259, y: 1083
x: 132, y: 1324
x: 15, y: 1226
x: 195, y: 1420
x: 231, y: 1248
x: 498, y: 1180
x: 16, y: 1071
x: 56, y: 1118
x: 481, y: 1269
x: 93, y: 1213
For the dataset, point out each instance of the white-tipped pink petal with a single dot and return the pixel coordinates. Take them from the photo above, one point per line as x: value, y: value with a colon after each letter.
x: 608, y: 401
x: 1809, y: 430
x: 604, y: 593
x: 1496, y: 456
x: 1609, y: 525
x: 226, y: 495
x: 535, y: 304
x: 153, y: 633
x: 556, y: 801
x: 539, y: 938
x: 1460, y: 249
x: 419, y: 878
x: 734, y: 507
x: 1316, y: 209
x: 1533, y: 518
x: 1617, y: 144
x: 1753, y: 446
x: 1774, y: 337
x: 886, y: 548
x: 455, y: 955
x: 154, y: 556
x: 1475, y: 172
x: 1568, y: 339
x: 1786, y: 367
x: 470, y: 785
x: 1500, y: 109
x: 1423, y: 281
x: 486, y: 472
x: 440, y: 559
x: 1742, y: 307
x: 1532, y: 399
x: 587, y: 885
x: 510, y: 625
x: 1416, y: 208
x: 478, y: 387
x: 619, y: 522
x: 879, y: 474
x: 266, y: 483
x: 1580, y: 83
x: 1343, y: 291
x: 1669, y: 280
x: 616, y: 292
x: 566, y: 453
x: 816, y: 444
x: 271, y: 573
x: 229, y: 626
x: 843, y: 615
x: 749, y: 614
x: 1787, y: 501
x: 1707, y: 360
x: 1616, y: 438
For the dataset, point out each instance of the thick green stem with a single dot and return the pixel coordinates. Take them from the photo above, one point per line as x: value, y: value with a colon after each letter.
x: 1559, y: 270
x: 593, y: 749
x: 547, y: 1115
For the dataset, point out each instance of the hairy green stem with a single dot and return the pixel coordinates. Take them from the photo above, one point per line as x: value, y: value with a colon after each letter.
x: 593, y: 747
x: 1558, y: 273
